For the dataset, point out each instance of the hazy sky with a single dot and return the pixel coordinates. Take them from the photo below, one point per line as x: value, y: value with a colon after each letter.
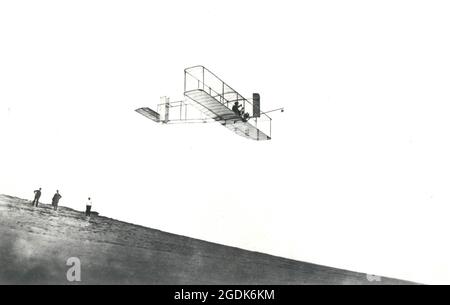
x: 357, y: 175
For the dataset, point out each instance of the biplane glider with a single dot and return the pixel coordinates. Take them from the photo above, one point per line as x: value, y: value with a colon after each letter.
x: 209, y: 99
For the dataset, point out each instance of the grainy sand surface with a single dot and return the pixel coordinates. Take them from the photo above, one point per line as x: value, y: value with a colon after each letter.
x: 35, y: 244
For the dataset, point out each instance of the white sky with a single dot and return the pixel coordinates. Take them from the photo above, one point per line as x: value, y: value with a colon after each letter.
x: 357, y: 175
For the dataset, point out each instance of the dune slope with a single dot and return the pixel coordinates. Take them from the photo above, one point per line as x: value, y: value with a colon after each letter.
x: 36, y: 243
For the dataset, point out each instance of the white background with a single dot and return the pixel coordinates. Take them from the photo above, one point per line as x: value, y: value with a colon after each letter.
x: 357, y: 175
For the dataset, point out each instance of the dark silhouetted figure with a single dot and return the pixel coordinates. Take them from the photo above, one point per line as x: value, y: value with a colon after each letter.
x: 88, y: 207
x: 236, y: 109
x: 37, y: 195
x: 55, y: 200
x: 240, y: 112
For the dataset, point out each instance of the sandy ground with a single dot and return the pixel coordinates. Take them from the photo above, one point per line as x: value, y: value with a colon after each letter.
x: 35, y: 244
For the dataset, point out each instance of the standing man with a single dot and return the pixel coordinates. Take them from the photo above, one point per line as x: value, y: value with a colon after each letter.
x: 37, y: 195
x: 55, y: 200
x: 88, y: 207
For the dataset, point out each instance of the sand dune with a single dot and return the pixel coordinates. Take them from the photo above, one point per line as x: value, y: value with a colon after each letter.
x: 35, y: 244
